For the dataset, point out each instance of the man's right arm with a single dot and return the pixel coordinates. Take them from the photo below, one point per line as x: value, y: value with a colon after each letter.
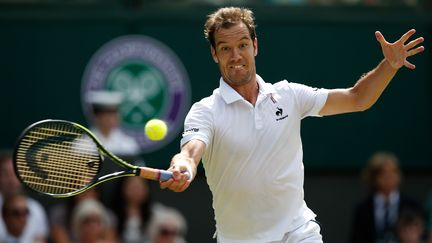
x: 186, y: 161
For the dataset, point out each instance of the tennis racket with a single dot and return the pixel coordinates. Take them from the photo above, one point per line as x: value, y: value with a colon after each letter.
x: 62, y: 159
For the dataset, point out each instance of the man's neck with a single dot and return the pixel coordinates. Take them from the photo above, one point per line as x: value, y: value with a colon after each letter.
x: 248, y: 91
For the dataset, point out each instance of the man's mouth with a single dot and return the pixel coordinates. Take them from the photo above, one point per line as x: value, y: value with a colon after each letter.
x: 237, y: 66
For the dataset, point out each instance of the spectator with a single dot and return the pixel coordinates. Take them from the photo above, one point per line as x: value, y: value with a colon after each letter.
x: 15, y: 213
x: 61, y: 218
x: 132, y: 208
x: 167, y: 226
x: 107, y: 123
x: 90, y: 223
x: 36, y: 226
x: 410, y: 226
x: 376, y: 216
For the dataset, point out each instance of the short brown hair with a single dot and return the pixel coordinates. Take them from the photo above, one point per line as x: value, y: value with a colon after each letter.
x: 227, y: 17
x: 376, y: 164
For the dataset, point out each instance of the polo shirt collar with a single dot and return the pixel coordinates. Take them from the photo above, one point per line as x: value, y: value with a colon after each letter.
x: 230, y: 95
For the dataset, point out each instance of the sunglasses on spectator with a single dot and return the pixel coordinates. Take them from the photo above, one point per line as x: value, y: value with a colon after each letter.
x: 169, y: 232
x: 92, y: 219
x: 17, y: 212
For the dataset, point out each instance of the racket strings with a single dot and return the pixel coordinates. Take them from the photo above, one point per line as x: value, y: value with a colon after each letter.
x: 57, y: 158
x: 60, y: 154
x: 80, y: 143
x: 59, y: 170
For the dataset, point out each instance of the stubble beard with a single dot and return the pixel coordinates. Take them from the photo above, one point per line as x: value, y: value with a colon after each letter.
x: 247, y: 78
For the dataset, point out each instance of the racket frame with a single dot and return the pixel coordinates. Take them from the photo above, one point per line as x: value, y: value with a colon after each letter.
x: 131, y: 170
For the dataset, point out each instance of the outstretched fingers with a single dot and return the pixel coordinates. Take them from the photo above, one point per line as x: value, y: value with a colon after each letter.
x: 380, y: 38
x: 407, y: 35
x: 411, y: 48
x: 415, y: 51
x: 409, y: 65
x: 414, y: 43
x: 397, y: 52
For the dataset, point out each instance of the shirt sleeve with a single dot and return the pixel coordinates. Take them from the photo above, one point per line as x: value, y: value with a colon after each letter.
x: 198, y: 124
x: 309, y: 100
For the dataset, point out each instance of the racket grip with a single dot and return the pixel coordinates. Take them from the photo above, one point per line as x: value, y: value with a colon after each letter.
x: 165, y: 175
x: 154, y: 174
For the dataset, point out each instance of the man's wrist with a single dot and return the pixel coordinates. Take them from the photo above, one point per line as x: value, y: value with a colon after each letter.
x: 180, y: 160
x: 186, y: 164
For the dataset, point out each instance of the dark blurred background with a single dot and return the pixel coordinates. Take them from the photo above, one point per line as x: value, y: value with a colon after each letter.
x: 45, y: 46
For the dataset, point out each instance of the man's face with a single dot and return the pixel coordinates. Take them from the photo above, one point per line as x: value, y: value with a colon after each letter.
x: 15, y: 216
x: 167, y: 233
x: 235, y: 53
x: 91, y: 228
x: 107, y: 120
x: 388, y: 179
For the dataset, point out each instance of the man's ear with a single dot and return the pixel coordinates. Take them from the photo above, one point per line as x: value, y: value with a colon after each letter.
x: 213, y: 53
x: 255, y: 44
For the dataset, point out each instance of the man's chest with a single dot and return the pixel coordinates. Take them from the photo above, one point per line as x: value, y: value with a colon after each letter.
x: 241, y: 126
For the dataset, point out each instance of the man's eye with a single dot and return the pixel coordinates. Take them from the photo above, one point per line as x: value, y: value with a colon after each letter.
x: 243, y: 46
x: 225, y: 49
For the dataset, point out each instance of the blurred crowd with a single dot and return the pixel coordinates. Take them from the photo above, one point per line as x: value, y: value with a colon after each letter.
x: 130, y: 217
x: 385, y: 215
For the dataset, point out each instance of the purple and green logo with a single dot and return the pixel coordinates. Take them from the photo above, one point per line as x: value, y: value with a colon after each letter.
x: 152, y: 80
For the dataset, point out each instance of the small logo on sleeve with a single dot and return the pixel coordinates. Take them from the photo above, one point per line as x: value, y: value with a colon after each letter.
x: 190, y: 130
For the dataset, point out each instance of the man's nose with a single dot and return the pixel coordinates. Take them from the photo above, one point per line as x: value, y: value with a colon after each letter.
x: 235, y: 54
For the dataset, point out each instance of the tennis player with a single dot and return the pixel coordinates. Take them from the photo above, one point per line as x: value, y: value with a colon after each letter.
x: 247, y: 134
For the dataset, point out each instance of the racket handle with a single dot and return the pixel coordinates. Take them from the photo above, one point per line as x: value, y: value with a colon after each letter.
x: 156, y: 174
x: 165, y: 175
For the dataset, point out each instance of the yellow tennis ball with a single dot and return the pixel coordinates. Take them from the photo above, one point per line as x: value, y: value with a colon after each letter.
x: 155, y: 129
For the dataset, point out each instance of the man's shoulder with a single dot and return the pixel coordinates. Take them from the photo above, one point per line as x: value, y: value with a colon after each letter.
x: 280, y: 85
x: 285, y: 84
x: 210, y: 100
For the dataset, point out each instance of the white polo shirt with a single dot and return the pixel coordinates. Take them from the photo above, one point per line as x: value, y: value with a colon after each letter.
x: 253, y: 158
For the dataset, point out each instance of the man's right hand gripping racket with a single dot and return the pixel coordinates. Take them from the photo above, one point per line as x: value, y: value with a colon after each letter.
x: 62, y: 159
